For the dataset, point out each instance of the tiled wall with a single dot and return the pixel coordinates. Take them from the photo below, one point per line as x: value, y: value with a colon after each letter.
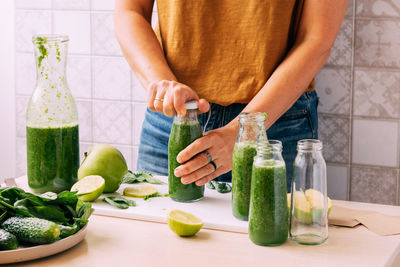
x: 359, y: 90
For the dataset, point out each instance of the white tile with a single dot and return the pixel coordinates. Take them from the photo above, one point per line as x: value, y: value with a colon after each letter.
x: 112, y: 122
x: 111, y: 78
x: 21, y: 106
x: 21, y: 157
x: 333, y: 87
x: 72, y: 4
x: 25, y: 73
x: 76, y: 25
x: 79, y: 76
x: 375, y: 142
x: 28, y: 23
x: 135, y: 151
x: 139, y: 111
x: 104, y: 41
x: 138, y: 92
x: 126, y: 151
x: 85, y: 120
x: 337, y: 177
x: 103, y: 4
x: 36, y: 4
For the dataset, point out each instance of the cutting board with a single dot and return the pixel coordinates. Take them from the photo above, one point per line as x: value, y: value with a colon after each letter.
x: 214, y: 209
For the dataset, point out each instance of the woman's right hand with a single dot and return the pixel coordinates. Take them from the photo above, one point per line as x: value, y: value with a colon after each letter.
x: 169, y: 98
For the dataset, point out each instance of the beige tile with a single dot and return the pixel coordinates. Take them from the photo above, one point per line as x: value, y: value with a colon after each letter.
x: 333, y: 86
x: 21, y: 104
x: 334, y: 133
x: 71, y: 4
x: 135, y: 151
x: 103, y: 4
x: 138, y: 92
x: 374, y: 185
x: 381, y: 8
x: 337, y: 176
x: 79, y: 76
x: 139, y: 111
x: 126, y: 151
x: 375, y: 142
x: 84, y: 147
x: 376, y: 45
x: 21, y: 157
x: 85, y: 120
x: 342, y: 48
x: 350, y: 8
x: 104, y: 41
x: 377, y: 93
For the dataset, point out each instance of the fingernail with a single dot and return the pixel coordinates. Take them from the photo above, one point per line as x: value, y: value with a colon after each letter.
x: 184, y: 181
x: 178, y: 159
x: 177, y: 172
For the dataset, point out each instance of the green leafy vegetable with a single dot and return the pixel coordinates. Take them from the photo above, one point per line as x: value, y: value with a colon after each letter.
x: 156, y: 195
x: 140, y: 177
x: 221, y: 187
x: 64, y: 208
x: 119, y: 202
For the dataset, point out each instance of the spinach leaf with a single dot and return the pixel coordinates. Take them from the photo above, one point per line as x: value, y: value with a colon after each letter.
x: 140, y: 177
x: 221, y: 187
x: 119, y: 202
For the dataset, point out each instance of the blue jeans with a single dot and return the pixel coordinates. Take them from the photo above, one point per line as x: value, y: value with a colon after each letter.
x: 299, y: 122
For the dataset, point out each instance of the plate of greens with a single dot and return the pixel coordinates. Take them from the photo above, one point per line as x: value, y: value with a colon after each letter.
x: 35, y: 226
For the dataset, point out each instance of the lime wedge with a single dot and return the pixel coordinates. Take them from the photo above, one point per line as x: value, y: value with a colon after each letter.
x: 140, y: 191
x: 183, y: 223
x: 89, y: 188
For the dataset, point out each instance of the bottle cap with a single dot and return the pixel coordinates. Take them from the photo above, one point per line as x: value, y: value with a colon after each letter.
x: 191, y: 104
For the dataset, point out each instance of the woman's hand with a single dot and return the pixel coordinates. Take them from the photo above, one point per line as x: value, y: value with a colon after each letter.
x: 219, y: 143
x: 169, y: 97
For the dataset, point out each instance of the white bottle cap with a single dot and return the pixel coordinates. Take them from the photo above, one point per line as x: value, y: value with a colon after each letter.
x: 192, y: 105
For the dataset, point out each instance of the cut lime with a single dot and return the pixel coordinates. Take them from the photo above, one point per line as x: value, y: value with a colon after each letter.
x: 140, y: 191
x: 89, y: 188
x: 183, y: 223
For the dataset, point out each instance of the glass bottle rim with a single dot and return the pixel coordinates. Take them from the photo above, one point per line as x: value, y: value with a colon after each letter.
x: 309, y: 145
x: 49, y: 38
x: 269, y: 146
x: 252, y: 116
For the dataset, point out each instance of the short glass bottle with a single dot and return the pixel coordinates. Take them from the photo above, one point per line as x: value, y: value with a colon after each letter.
x: 184, y: 131
x: 251, y: 131
x: 268, y: 219
x: 52, y: 133
x: 309, y: 201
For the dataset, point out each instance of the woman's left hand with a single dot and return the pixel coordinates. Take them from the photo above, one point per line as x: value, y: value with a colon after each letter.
x: 219, y: 144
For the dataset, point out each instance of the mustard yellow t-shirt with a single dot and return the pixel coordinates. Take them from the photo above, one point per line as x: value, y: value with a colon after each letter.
x: 226, y: 50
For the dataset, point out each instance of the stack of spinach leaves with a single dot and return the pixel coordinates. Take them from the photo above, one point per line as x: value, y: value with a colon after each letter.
x: 65, y: 209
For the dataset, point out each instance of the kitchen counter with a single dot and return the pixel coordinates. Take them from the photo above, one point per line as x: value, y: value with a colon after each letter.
x: 114, y: 241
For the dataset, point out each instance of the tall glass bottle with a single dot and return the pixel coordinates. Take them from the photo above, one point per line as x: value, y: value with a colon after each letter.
x: 184, y: 131
x: 268, y: 220
x: 309, y: 201
x: 52, y: 133
x: 251, y: 130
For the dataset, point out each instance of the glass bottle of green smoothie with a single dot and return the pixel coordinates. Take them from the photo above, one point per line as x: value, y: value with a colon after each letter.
x: 51, y: 120
x: 251, y: 130
x: 268, y: 219
x: 184, y: 131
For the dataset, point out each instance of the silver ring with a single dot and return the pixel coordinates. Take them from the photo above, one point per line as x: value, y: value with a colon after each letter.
x: 159, y: 99
x: 213, y: 163
x: 208, y: 156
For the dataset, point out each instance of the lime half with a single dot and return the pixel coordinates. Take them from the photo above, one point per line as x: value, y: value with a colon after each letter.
x: 140, y: 191
x: 89, y: 188
x: 183, y: 223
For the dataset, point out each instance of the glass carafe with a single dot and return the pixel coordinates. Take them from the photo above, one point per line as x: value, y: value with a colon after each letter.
x: 309, y: 201
x: 251, y: 130
x: 184, y: 131
x: 52, y: 133
x: 268, y: 219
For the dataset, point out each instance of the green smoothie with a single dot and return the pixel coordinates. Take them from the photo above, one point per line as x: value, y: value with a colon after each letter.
x: 242, y: 164
x: 52, y: 158
x: 182, y: 135
x: 268, y: 222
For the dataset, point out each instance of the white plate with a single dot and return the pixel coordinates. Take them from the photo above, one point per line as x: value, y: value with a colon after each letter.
x: 41, y: 251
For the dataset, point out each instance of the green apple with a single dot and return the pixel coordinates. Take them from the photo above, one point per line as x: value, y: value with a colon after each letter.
x: 309, y: 206
x: 106, y: 161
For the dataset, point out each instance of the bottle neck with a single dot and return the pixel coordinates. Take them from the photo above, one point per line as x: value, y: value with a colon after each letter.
x: 191, y: 115
x: 251, y: 127
x: 51, y: 58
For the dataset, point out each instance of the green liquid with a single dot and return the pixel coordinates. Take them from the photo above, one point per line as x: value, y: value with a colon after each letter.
x: 182, y: 135
x: 52, y: 157
x: 242, y: 164
x: 268, y: 222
